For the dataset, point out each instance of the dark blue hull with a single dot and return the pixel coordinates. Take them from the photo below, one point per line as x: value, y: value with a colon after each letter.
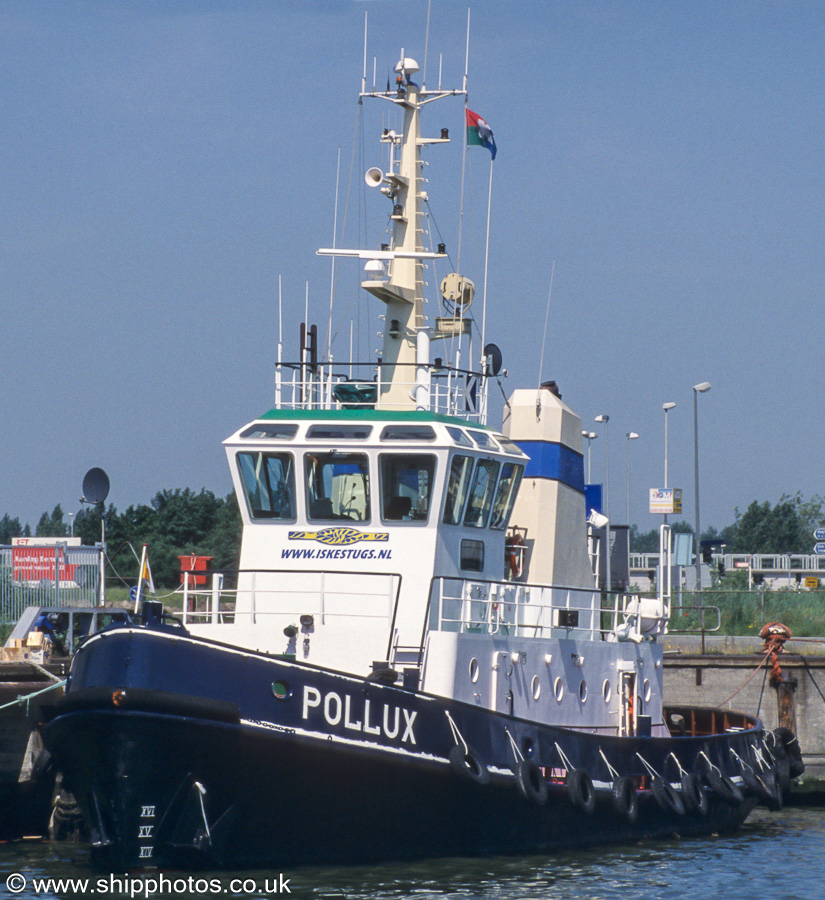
x: 185, y: 752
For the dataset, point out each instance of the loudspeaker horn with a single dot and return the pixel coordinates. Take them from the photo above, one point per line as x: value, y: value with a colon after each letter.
x: 374, y: 176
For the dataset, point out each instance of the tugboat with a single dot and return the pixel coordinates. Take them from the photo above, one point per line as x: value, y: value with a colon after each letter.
x: 415, y: 657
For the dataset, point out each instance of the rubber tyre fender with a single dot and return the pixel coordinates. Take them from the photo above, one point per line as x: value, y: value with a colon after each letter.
x: 531, y: 782
x: 580, y: 790
x: 693, y: 794
x: 790, y: 745
x: 722, y: 786
x: 775, y: 745
x: 625, y: 799
x: 666, y: 796
x: 467, y: 764
x: 758, y: 788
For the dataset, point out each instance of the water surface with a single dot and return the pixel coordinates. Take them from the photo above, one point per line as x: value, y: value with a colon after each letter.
x: 780, y: 856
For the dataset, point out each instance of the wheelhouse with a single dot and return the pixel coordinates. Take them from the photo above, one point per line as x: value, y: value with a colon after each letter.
x: 411, y: 473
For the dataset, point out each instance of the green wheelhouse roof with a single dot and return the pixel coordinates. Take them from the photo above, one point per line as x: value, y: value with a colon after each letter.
x: 367, y: 415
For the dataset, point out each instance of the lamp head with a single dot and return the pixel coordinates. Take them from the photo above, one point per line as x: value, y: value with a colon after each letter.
x: 701, y: 388
x: 668, y: 406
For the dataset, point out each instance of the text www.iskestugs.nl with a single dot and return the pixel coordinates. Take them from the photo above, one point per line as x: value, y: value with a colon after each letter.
x: 131, y: 886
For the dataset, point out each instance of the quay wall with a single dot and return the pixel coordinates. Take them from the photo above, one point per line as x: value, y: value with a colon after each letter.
x: 741, y: 681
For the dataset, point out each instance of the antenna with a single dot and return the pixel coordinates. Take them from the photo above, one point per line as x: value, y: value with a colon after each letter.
x: 546, y: 317
x: 467, y: 55
x: 364, y: 76
x: 464, y: 154
x: 280, y: 346
x: 328, y: 354
x: 426, y: 47
x: 486, y: 259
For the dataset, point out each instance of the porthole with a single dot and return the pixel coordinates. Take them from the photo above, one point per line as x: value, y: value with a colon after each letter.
x: 606, y: 691
x: 582, y: 690
x: 646, y: 691
x: 281, y: 690
x: 558, y: 689
x: 474, y: 670
x: 536, y: 685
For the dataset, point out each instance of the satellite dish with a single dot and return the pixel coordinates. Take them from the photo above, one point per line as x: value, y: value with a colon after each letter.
x: 493, y: 356
x: 95, y: 486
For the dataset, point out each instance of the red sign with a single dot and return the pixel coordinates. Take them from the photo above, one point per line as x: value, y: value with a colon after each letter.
x: 37, y: 563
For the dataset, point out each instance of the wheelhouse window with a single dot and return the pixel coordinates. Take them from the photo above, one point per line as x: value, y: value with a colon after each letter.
x: 406, y: 486
x: 505, y: 495
x: 408, y: 433
x: 458, y: 487
x: 282, y: 431
x: 459, y: 437
x: 338, y: 486
x: 483, y: 440
x: 481, y: 493
x: 269, y: 484
x: 335, y: 431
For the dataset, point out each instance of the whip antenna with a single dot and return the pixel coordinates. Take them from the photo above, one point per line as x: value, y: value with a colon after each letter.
x: 546, y: 317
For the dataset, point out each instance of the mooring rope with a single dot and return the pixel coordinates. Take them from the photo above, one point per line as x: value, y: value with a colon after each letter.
x: 24, y: 698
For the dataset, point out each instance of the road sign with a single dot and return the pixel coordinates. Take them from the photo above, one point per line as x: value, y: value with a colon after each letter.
x: 819, y: 533
x: 819, y: 548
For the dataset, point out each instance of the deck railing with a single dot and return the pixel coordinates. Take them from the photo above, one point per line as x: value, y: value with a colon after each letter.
x: 437, y: 388
x: 524, y: 610
x: 259, y: 594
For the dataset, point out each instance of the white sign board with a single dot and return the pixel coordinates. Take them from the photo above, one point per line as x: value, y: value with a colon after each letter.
x: 667, y: 501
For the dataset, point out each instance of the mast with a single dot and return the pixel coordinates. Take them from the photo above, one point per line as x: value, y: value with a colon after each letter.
x: 394, y: 274
x: 402, y: 293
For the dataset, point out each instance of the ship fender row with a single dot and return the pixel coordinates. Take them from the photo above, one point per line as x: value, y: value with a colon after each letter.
x: 580, y: 790
x: 531, y: 782
x: 721, y: 785
x: 786, y: 739
x: 467, y: 764
x: 759, y: 788
x: 693, y: 794
x: 624, y: 798
x: 664, y: 794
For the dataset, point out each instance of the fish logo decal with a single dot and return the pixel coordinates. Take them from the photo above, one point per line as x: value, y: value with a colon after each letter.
x: 340, y: 536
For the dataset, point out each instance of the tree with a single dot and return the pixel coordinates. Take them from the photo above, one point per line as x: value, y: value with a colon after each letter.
x: 784, y: 528
x: 648, y: 541
x: 9, y: 528
x: 52, y: 525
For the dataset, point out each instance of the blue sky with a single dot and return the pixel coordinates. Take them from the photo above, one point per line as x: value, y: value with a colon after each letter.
x: 163, y: 163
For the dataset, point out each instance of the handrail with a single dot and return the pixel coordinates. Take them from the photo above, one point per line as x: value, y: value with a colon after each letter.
x: 493, y: 606
x: 215, y: 591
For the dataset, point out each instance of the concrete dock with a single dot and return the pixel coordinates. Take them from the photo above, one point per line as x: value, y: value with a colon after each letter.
x: 733, y: 674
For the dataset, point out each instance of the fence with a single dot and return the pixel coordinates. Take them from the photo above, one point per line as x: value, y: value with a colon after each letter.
x: 55, y: 575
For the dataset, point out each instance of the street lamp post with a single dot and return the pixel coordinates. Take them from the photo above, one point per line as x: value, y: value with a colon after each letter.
x: 603, y: 420
x: 589, y: 436
x: 667, y: 407
x: 701, y: 388
x: 631, y: 436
